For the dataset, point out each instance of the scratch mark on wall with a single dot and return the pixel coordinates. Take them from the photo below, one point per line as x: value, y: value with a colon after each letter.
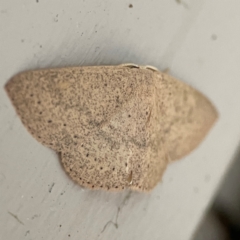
x: 115, y: 223
x: 16, y: 217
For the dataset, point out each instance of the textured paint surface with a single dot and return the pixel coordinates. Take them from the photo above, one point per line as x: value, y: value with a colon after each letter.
x: 115, y: 127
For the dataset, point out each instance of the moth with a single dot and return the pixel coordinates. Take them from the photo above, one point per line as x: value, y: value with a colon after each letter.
x: 115, y: 127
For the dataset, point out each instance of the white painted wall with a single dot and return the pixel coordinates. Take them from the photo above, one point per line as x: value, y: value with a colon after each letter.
x: 197, y: 40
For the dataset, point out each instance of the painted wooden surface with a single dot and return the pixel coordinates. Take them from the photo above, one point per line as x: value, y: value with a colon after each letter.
x: 197, y: 41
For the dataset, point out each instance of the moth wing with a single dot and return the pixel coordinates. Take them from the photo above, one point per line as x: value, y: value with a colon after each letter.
x: 116, y: 156
x: 64, y: 105
x: 186, y: 116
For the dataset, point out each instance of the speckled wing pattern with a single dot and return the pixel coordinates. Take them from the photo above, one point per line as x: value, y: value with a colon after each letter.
x: 115, y: 127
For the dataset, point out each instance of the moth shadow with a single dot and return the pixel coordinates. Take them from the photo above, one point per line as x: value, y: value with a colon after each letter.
x: 98, y: 53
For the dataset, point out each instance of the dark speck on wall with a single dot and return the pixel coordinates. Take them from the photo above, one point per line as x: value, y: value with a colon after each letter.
x: 214, y: 37
x: 55, y: 18
x: 195, y: 190
x: 207, y: 178
x: 51, y: 187
x: 130, y: 6
x: 180, y: 2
